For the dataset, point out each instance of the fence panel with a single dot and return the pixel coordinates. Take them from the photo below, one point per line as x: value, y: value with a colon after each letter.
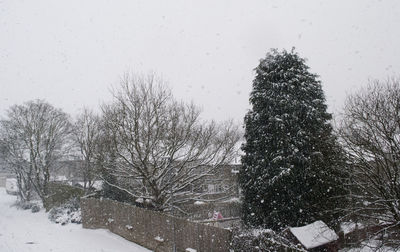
x: 153, y: 230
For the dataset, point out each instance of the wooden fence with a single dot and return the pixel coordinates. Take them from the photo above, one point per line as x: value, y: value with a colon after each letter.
x: 153, y: 230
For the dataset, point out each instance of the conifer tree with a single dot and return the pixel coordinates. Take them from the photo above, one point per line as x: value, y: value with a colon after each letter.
x: 291, y: 164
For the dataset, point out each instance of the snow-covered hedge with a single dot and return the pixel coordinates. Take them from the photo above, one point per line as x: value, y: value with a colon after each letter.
x: 256, y: 240
x: 68, y: 212
x: 61, y: 194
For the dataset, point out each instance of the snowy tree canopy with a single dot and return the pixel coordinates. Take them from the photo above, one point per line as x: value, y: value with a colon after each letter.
x: 86, y: 136
x: 35, y: 136
x: 160, y: 147
x: 291, y: 157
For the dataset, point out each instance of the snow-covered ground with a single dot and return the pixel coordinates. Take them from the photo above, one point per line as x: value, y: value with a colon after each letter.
x: 21, y: 230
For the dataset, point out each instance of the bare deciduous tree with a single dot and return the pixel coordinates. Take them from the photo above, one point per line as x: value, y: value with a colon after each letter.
x: 86, y: 133
x: 34, y: 134
x: 15, y: 160
x: 161, y: 146
x: 370, y: 131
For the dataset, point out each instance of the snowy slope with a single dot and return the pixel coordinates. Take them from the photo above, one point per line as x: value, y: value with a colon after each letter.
x: 21, y: 230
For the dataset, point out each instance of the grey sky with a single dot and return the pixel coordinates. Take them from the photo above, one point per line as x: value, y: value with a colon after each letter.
x: 71, y: 52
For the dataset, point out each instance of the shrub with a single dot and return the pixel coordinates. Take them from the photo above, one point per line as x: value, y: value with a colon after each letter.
x: 25, y: 205
x: 60, y: 194
x: 256, y: 240
x: 35, y: 208
x: 68, y: 212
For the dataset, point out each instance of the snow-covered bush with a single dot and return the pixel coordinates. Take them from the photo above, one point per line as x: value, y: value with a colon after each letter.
x: 60, y: 194
x: 35, y: 208
x: 25, y: 205
x: 255, y: 240
x: 68, y: 212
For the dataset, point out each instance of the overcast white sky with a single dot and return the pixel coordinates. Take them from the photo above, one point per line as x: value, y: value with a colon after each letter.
x: 71, y: 52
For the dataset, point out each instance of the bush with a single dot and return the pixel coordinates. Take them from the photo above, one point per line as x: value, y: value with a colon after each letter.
x: 35, y: 208
x: 25, y: 205
x: 256, y: 240
x: 68, y: 212
x: 60, y: 194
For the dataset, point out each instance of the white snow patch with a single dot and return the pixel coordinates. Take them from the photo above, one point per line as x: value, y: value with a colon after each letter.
x: 233, y: 171
x: 259, y: 231
x: 11, y: 186
x: 199, y: 202
x: 314, y: 235
x: 21, y: 230
x: 233, y: 200
x: 58, y: 178
x: 190, y: 250
x: 159, y: 239
x: 139, y: 200
x: 98, y: 184
x: 348, y: 227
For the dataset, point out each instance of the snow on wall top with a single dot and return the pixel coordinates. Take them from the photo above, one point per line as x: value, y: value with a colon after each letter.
x: 314, y: 235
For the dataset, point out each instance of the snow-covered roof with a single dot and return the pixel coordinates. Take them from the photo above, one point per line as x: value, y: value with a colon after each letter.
x: 314, y: 235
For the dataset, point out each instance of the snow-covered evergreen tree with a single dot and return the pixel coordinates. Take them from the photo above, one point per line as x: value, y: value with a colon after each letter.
x: 291, y: 166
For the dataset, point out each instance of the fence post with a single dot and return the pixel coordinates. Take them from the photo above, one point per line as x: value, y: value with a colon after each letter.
x: 173, y: 236
x: 198, y: 237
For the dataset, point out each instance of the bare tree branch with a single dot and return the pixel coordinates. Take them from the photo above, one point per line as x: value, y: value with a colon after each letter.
x: 161, y: 145
x: 370, y: 130
x: 35, y: 135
